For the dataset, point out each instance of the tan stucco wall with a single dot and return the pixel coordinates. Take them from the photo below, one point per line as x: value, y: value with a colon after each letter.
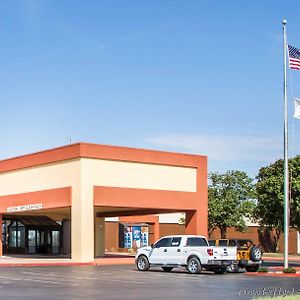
x: 140, y: 175
x: 55, y: 175
x: 98, y: 172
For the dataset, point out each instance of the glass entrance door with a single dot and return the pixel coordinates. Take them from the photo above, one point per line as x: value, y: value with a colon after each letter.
x: 55, y: 242
x: 43, y: 241
x: 32, y: 239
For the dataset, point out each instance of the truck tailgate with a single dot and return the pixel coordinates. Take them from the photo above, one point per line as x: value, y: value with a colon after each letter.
x: 224, y: 253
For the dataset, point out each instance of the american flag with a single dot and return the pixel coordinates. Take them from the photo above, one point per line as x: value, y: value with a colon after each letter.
x: 294, y: 56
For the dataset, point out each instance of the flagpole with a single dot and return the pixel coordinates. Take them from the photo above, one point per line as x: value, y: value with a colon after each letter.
x: 286, y: 166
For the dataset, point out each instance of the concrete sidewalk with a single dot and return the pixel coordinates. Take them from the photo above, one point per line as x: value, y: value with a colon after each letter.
x: 11, y: 261
x: 279, y: 257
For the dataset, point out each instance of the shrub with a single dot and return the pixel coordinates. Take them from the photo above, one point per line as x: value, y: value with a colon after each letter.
x: 263, y: 270
x: 290, y: 270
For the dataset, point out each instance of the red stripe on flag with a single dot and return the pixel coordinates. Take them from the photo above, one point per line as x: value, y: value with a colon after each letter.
x: 294, y: 60
x: 295, y: 67
x: 295, y: 63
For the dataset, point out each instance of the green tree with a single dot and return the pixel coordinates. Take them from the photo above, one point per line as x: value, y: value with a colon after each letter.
x: 270, y: 196
x: 230, y: 200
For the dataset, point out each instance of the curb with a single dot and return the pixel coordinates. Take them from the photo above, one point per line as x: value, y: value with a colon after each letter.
x: 273, y: 274
x: 107, y: 263
x: 291, y: 259
x: 281, y: 268
x: 96, y: 263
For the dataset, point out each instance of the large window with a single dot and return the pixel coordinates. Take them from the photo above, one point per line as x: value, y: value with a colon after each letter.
x: 32, y: 241
x: 16, y: 235
x: 30, y: 235
x: 55, y: 242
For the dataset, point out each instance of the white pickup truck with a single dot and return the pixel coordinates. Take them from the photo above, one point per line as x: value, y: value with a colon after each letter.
x: 190, y: 251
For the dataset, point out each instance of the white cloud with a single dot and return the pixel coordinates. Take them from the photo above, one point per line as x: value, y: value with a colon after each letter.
x: 222, y: 147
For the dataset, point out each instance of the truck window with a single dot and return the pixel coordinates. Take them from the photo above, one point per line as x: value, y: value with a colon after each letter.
x: 223, y: 242
x: 212, y: 243
x: 196, y: 242
x: 175, y: 242
x: 165, y: 242
x: 232, y: 243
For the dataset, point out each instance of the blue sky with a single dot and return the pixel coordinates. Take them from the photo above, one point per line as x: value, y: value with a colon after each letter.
x: 190, y: 76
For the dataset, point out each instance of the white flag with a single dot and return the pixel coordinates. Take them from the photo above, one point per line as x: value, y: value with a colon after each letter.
x: 297, y: 108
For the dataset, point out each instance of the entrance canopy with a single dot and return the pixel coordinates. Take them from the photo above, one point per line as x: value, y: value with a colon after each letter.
x: 95, y: 181
x: 34, y: 221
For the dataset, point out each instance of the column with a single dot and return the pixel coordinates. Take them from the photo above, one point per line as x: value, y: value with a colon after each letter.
x: 82, y: 223
x: 1, y: 246
x: 195, y: 223
x: 66, y: 227
x: 99, y: 237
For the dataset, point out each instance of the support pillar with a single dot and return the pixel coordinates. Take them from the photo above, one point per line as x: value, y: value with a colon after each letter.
x: 1, y: 245
x: 195, y: 223
x: 82, y: 224
x: 155, y: 231
x: 66, y: 227
x: 99, y: 237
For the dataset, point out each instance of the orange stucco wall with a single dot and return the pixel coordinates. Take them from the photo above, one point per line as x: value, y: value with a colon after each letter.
x: 55, y: 198
x: 143, y: 198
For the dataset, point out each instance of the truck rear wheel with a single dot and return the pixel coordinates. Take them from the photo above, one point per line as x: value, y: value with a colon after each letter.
x: 194, y: 265
x: 142, y: 263
x: 233, y: 268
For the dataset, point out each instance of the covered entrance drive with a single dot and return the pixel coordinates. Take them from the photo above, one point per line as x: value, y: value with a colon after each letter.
x: 96, y: 181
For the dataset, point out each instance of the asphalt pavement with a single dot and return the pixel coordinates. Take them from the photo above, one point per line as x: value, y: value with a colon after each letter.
x: 125, y: 282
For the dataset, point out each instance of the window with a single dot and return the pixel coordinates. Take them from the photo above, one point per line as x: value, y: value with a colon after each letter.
x: 32, y: 241
x: 176, y: 242
x: 212, y: 243
x: 165, y: 242
x: 16, y: 235
x: 232, y: 243
x: 196, y: 242
x: 244, y: 243
x: 223, y: 242
x: 55, y: 242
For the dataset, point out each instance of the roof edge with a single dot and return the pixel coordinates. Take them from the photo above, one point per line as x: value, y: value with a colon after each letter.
x: 99, y: 151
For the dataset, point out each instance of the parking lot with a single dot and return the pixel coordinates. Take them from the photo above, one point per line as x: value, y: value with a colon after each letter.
x: 125, y: 282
